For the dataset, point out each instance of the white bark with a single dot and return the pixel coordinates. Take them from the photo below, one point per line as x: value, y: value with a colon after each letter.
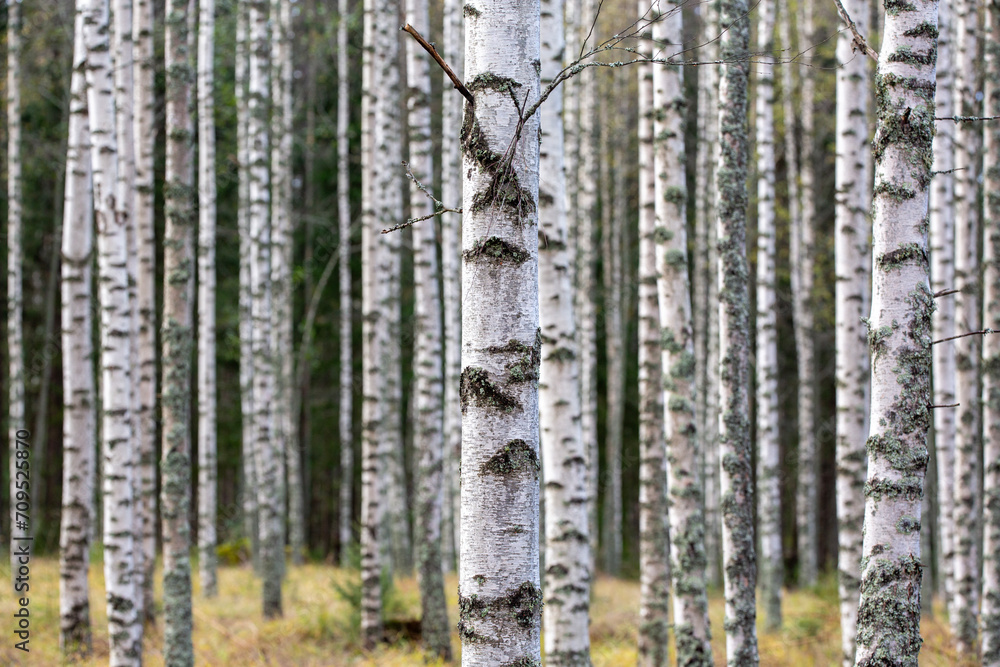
x: 852, y: 263
x: 991, y: 345
x: 739, y: 559
x: 499, y: 595
x: 344, y: 275
x: 178, y: 297
x: 144, y: 138
x: 79, y: 401
x: 802, y: 282
x: 207, y: 438
x: 567, y: 545
x: 942, y: 240
x: 899, y: 338
x: 964, y: 616
x: 451, y: 278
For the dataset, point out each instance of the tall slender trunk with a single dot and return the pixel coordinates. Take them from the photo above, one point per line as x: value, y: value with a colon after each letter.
x: 79, y: 420
x: 586, y: 275
x: 281, y: 266
x: 207, y: 440
x: 178, y: 273
x: 991, y: 344
x: 654, y: 540
x: 676, y: 335
x: 802, y: 283
x: 20, y: 529
x: 500, y: 598
x: 899, y: 338
x: 564, y: 457
x: 942, y: 240
x: 428, y: 363
x: 852, y: 268
x: 144, y: 137
x: 739, y: 559
x: 965, y: 619
x: 451, y: 274
x: 708, y: 115
x: 344, y: 275
x: 768, y: 447
x: 124, y: 624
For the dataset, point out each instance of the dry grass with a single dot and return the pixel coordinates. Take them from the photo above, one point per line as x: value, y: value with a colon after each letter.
x: 317, y: 629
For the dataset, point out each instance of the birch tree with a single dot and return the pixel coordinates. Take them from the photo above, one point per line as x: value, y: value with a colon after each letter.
x: 499, y: 596
x: 739, y: 559
x: 768, y: 446
x: 144, y: 136
x: 207, y: 440
x: 802, y: 281
x: 451, y: 278
x: 124, y: 624
x: 15, y: 324
x: 899, y: 337
x: 991, y: 344
x: 964, y: 620
x: 79, y: 400
x: 344, y: 276
x: 942, y: 240
x: 427, y: 362
x: 178, y: 271
x: 852, y: 263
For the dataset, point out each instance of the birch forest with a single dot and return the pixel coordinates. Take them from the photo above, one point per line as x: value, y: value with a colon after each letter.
x: 575, y: 333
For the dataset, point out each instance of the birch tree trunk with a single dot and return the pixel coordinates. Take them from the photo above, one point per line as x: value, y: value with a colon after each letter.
x: 427, y: 362
x: 290, y: 461
x: 207, y: 440
x: 899, y: 338
x: 178, y: 267
x: 15, y: 326
x: 965, y: 619
x: 768, y: 447
x: 499, y: 596
x: 344, y: 276
x: 677, y: 341
x: 852, y: 263
x: 567, y: 503
x: 144, y: 138
x: 79, y: 420
x: 451, y: 276
x: 802, y: 282
x: 942, y: 240
x: 739, y: 559
x: 654, y: 540
x: 708, y: 100
x: 991, y: 344
x: 267, y: 450
x: 124, y: 624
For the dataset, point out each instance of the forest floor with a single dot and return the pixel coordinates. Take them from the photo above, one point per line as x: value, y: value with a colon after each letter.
x: 317, y: 628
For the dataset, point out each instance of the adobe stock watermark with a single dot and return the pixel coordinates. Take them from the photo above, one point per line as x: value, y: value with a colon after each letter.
x: 20, y: 540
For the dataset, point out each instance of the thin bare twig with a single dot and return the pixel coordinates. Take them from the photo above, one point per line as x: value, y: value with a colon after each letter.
x: 439, y: 208
x: 440, y: 61
x: 967, y: 119
x: 949, y: 171
x: 946, y: 292
x: 859, y: 40
x: 953, y: 405
x: 983, y: 332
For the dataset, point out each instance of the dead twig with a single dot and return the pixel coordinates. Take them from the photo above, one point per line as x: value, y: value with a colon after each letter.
x: 982, y: 332
x: 439, y: 208
x: 429, y: 48
x: 860, y: 43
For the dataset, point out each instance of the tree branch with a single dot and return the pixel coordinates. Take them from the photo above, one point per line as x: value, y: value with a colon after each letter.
x: 440, y: 61
x: 967, y: 119
x: 983, y: 332
x: 439, y: 208
x: 860, y: 43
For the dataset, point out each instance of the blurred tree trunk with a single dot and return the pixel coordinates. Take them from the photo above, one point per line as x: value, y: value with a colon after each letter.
x: 739, y: 559
x: 79, y: 420
x: 899, y: 338
x: 768, y: 445
x: 500, y: 599
x: 178, y: 283
x: 802, y: 312
x: 567, y: 573
x: 968, y: 443
x: 654, y: 540
x: 207, y: 439
x: 852, y: 262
